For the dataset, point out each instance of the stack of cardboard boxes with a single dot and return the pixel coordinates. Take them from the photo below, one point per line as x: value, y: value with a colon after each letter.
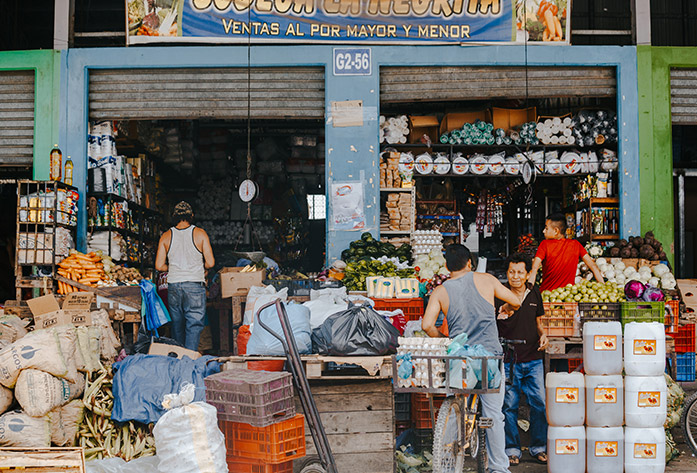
x: 398, y: 217
x: 389, y: 171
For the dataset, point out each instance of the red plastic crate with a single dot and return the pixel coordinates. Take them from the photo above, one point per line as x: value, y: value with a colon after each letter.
x: 685, y: 339
x: 421, y: 411
x: 274, y: 444
x: 241, y: 465
x: 672, y: 318
x: 413, y: 308
x: 575, y: 363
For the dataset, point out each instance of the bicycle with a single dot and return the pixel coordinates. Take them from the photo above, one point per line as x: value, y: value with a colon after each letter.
x: 688, y: 420
x: 459, y: 430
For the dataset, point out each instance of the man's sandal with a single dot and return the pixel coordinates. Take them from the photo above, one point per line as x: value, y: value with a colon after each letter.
x: 513, y: 460
x: 541, y: 457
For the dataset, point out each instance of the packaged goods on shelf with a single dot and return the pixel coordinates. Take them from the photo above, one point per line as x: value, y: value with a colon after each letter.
x: 398, y: 209
x: 394, y: 130
x: 594, y: 127
x: 555, y: 131
x: 40, y: 207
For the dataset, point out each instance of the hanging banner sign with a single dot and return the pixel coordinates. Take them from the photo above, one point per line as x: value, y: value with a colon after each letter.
x: 349, y: 21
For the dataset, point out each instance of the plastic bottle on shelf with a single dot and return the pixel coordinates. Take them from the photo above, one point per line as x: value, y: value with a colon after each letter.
x: 68, y: 174
x: 56, y: 163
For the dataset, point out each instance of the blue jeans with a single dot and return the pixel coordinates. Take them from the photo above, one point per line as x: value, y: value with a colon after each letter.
x: 495, y: 437
x: 187, y: 308
x: 527, y: 377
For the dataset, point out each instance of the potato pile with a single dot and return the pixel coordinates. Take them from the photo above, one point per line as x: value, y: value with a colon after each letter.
x: 121, y: 274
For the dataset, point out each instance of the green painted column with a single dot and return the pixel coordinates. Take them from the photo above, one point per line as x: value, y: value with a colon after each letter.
x: 46, y: 67
x: 656, y: 138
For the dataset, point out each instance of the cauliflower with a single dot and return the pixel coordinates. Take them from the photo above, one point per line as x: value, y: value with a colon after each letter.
x: 660, y: 269
x: 426, y: 273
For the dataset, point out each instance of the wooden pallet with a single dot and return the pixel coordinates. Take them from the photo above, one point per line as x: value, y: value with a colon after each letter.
x: 317, y: 367
x: 42, y: 460
x: 358, y: 418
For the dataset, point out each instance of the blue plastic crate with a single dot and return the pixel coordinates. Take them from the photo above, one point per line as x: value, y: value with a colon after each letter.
x: 686, y: 367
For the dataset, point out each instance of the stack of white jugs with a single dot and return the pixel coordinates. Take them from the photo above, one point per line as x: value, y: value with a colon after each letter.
x: 607, y: 401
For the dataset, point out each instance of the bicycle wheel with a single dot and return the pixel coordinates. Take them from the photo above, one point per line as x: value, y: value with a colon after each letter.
x: 482, y: 458
x: 448, y: 454
x: 688, y: 420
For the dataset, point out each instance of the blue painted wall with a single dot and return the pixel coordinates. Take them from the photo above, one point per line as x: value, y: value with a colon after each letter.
x: 352, y: 153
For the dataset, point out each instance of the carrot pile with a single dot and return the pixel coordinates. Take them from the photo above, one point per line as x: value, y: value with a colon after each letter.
x: 83, y: 268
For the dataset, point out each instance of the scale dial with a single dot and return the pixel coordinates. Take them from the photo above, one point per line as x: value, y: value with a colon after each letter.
x: 248, y: 190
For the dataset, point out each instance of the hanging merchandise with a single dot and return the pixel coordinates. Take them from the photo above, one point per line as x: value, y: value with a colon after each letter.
x: 68, y: 174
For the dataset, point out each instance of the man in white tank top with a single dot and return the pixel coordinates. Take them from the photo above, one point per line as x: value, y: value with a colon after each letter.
x: 185, y: 252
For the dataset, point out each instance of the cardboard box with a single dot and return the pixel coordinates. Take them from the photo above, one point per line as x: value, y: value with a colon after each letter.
x: 77, y: 307
x: 419, y: 126
x: 233, y: 282
x: 76, y: 310
x: 455, y: 121
x: 174, y: 351
x: 510, y: 118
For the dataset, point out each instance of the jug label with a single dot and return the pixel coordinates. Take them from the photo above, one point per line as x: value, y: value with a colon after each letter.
x: 644, y: 347
x: 606, y: 449
x: 644, y: 450
x: 605, y: 395
x: 649, y: 399
x: 566, y: 447
x: 567, y: 395
x: 605, y: 342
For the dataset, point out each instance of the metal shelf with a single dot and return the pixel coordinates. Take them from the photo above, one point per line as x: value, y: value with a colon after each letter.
x: 396, y: 189
x: 439, y: 217
x: 394, y: 232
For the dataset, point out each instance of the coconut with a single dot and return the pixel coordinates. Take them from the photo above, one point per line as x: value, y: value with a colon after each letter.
x: 638, y: 242
x: 634, y: 253
x: 615, y: 251
x: 626, y: 252
x: 646, y: 251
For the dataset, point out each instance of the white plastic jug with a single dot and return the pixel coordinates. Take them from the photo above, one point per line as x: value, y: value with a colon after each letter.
x: 602, y: 348
x: 604, y: 401
x: 644, y: 349
x: 645, y: 401
x: 566, y: 399
x: 644, y: 450
x: 605, y: 447
x: 566, y: 449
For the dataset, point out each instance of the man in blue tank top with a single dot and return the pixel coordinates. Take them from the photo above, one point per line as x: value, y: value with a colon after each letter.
x: 185, y: 252
x: 467, y: 300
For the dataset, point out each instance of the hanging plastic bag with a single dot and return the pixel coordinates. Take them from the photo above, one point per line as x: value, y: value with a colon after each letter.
x: 262, y: 342
x: 472, y: 367
x: 187, y: 437
x: 357, y: 331
x: 153, y: 310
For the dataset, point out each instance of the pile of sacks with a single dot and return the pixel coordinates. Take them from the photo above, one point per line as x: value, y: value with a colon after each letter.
x: 44, y: 372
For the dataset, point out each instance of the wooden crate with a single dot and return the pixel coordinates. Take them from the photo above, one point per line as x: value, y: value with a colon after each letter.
x: 42, y: 460
x: 358, y: 417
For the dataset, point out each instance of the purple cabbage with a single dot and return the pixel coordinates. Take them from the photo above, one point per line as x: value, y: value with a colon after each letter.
x: 653, y: 294
x: 634, y: 290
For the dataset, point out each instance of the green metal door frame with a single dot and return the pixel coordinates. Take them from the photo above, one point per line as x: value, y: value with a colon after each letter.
x: 656, y: 138
x: 46, y: 65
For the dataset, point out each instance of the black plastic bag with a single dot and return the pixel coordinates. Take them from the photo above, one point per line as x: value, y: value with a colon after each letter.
x: 357, y: 331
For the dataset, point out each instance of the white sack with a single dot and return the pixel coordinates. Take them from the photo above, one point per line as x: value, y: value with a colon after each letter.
x: 20, y: 430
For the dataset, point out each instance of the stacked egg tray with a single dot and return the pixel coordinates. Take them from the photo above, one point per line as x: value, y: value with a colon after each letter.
x: 417, y: 346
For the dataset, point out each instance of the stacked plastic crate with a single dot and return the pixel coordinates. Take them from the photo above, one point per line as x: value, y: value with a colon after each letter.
x: 256, y: 412
x: 684, y: 339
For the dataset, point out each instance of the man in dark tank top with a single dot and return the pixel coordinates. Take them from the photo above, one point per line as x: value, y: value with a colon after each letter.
x: 467, y: 300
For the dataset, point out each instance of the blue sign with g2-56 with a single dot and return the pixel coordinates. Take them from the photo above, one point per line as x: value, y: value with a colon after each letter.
x: 352, y: 62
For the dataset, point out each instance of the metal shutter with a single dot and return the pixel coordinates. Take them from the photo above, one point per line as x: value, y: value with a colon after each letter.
x: 433, y: 84
x: 150, y: 94
x: 683, y: 96
x: 16, y: 118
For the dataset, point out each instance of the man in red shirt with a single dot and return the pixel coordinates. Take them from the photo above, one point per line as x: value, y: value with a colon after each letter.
x: 559, y: 257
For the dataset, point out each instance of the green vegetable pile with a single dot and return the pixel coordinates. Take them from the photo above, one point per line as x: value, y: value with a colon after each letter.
x: 413, y: 463
x: 586, y: 291
x: 356, y: 273
x: 367, y: 247
x: 676, y: 397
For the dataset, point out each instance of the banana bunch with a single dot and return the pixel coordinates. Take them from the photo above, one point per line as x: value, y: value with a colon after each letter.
x: 99, y: 435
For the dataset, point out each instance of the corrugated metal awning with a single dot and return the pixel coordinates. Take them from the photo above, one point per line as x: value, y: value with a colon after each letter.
x: 148, y: 94
x: 683, y: 96
x: 16, y: 118
x: 457, y: 83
